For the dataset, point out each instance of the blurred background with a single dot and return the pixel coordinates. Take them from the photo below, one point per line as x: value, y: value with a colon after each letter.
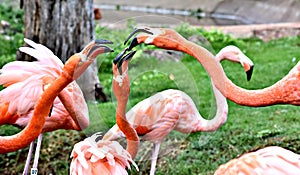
x: 204, y: 12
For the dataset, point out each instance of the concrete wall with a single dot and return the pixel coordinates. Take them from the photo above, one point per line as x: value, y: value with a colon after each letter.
x: 250, y: 11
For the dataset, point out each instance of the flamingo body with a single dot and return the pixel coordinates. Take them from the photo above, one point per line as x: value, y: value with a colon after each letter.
x: 267, y: 161
x: 102, y: 157
x: 26, y: 81
x: 27, y: 93
x: 155, y: 117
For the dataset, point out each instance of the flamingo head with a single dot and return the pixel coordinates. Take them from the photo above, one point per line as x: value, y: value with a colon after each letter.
x: 234, y: 54
x: 121, y: 82
x: 160, y: 37
x: 169, y: 39
x: 81, y: 61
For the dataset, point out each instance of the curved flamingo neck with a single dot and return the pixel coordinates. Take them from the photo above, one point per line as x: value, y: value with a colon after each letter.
x: 219, y: 119
x: 41, y: 110
x: 262, y: 97
x: 121, y: 89
x: 80, y: 121
x: 127, y: 129
x: 35, y: 126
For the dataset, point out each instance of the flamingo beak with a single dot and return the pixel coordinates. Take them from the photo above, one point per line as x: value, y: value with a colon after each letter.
x: 100, y: 42
x: 247, y: 64
x: 138, y: 30
x: 98, y: 137
x: 103, y: 41
x: 249, y: 72
x: 122, y: 57
x: 95, y: 50
x: 96, y: 47
x: 89, y: 54
x: 134, y: 42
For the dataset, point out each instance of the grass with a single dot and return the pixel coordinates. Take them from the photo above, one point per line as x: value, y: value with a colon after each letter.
x: 246, y: 128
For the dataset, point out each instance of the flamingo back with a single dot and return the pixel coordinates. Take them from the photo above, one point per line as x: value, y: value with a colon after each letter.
x: 169, y: 107
x: 103, y: 157
x: 268, y: 161
x: 25, y: 82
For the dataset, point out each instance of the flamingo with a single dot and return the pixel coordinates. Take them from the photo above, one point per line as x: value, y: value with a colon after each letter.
x: 155, y: 117
x: 99, y: 157
x: 267, y: 161
x: 285, y: 91
x: 25, y: 94
x: 108, y: 157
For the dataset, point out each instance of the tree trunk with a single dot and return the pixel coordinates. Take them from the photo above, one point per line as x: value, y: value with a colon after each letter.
x: 65, y: 27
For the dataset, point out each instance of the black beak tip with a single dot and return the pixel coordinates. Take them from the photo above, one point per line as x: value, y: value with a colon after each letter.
x: 98, y: 138
x: 129, y: 55
x: 120, y: 56
x: 103, y: 41
x: 108, y: 49
x: 249, y: 73
x: 96, y: 47
x: 111, y: 50
x: 133, y: 43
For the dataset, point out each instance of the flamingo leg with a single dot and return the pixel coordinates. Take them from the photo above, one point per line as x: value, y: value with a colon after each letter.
x: 34, y: 169
x: 25, y: 171
x: 154, y: 157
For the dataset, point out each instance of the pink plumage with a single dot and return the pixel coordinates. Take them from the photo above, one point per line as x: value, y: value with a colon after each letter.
x: 155, y: 117
x: 272, y: 160
x: 25, y: 82
x: 102, y: 157
x: 40, y: 83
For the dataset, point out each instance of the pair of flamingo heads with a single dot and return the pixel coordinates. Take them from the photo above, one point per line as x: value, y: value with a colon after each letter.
x: 149, y: 35
x: 284, y: 91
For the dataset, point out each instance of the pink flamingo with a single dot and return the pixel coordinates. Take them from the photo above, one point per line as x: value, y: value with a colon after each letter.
x: 267, y: 161
x: 108, y: 157
x: 27, y: 82
x: 101, y: 157
x: 174, y: 109
x: 285, y: 91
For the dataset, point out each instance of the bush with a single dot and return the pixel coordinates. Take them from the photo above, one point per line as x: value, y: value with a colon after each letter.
x: 11, y: 37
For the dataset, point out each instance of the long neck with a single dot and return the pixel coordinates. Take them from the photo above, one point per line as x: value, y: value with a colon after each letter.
x: 263, y: 97
x: 220, y: 117
x: 41, y: 110
x: 79, y: 118
x: 35, y: 126
x: 127, y: 129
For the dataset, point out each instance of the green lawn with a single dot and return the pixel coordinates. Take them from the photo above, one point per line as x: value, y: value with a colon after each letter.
x: 246, y: 128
